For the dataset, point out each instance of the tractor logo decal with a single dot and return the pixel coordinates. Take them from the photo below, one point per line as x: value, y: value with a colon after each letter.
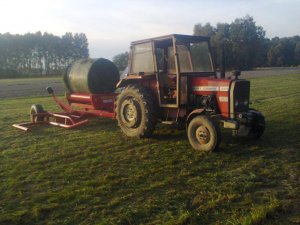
x: 210, y: 88
x: 224, y: 88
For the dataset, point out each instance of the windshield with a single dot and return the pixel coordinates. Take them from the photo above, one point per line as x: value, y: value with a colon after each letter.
x: 194, y: 57
x: 142, y: 58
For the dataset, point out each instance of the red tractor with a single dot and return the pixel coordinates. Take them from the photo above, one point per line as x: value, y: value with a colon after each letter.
x: 170, y: 79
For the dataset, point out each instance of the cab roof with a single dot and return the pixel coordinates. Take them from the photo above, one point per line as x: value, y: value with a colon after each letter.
x: 182, y: 37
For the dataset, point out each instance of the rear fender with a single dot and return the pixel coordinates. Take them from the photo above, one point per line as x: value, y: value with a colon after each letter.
x: 145, y: 80
x: 126, y: 82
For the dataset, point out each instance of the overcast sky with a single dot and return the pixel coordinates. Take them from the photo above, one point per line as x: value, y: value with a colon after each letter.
x: 110, y: 25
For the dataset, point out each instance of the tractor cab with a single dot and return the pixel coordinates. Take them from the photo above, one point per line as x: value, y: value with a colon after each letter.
x: 171, y: 59
x: 172, y: 80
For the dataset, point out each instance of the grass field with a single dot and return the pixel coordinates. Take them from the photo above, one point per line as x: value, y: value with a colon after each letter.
x: 24, y: 87
x: 95, y: 175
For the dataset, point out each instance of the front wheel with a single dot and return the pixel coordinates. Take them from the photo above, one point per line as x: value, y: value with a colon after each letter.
x: 204, y: 134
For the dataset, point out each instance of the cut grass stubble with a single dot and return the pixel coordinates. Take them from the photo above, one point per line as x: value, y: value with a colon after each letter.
x: 95, y: 175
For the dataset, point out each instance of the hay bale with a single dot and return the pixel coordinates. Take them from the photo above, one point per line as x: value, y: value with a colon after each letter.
x: 91, y: 76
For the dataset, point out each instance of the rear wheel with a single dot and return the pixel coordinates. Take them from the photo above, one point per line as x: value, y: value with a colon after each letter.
x: 204, y: 134
x: 135, y: 111
x: 35, y: 109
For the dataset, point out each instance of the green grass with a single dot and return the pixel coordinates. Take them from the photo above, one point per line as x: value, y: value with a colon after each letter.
x: 96, y: 175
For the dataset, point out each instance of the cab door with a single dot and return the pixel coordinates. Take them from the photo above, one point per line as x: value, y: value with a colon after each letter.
x: 166, y: 73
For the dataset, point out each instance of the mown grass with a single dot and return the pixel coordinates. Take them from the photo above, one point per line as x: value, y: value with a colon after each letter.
x: 96, y: 175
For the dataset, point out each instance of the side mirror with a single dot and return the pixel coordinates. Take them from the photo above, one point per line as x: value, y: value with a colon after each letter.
x: 49, y: 90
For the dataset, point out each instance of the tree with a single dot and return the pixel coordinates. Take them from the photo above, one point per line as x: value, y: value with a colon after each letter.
x: 284, y: 51
x: 247, y: 40
x: 37, y: 53
x: 81, y: 46
x: 206, y: 30
x: 297, y: 53
x: 121, y: 60
x: 242, y: 40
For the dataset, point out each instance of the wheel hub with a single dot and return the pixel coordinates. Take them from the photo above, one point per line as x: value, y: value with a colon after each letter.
x: 130, y: 113
x: 202, y: 135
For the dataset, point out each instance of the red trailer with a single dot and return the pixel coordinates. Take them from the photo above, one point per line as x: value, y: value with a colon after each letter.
x: 88, y: 105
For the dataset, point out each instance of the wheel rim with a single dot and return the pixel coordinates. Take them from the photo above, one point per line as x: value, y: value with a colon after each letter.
x: 33, y: 119
x: 202, y: 135
x: 129, y: 112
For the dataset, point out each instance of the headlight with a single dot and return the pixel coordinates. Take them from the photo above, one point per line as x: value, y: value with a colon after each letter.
x: 245, y: 102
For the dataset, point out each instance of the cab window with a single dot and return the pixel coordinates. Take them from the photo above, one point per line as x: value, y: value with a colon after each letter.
x: 142, y: 59
x: 194, y: 57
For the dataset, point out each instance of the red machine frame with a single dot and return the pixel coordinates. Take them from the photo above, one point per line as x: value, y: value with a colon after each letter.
x: 76, y: 112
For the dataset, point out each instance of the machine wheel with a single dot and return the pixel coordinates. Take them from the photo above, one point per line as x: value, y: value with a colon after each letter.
x: 259, y: 124
x: 135, y: 111
x: 37, y: 108
x: 204, y: 134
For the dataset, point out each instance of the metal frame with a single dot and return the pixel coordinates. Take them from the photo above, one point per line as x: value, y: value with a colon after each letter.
x: 65, y: 120
x: 91, y: 106
x: 179, y: 36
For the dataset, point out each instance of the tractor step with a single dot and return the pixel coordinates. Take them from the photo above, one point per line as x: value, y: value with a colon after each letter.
x: 168, y: 122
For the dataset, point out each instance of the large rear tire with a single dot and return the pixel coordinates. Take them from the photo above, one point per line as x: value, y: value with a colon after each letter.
x: 204, y: 134
x: 135, y: 112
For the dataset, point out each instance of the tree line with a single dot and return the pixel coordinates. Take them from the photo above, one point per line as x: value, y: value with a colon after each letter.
x: 40, y: 54
x: 243, y: 45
